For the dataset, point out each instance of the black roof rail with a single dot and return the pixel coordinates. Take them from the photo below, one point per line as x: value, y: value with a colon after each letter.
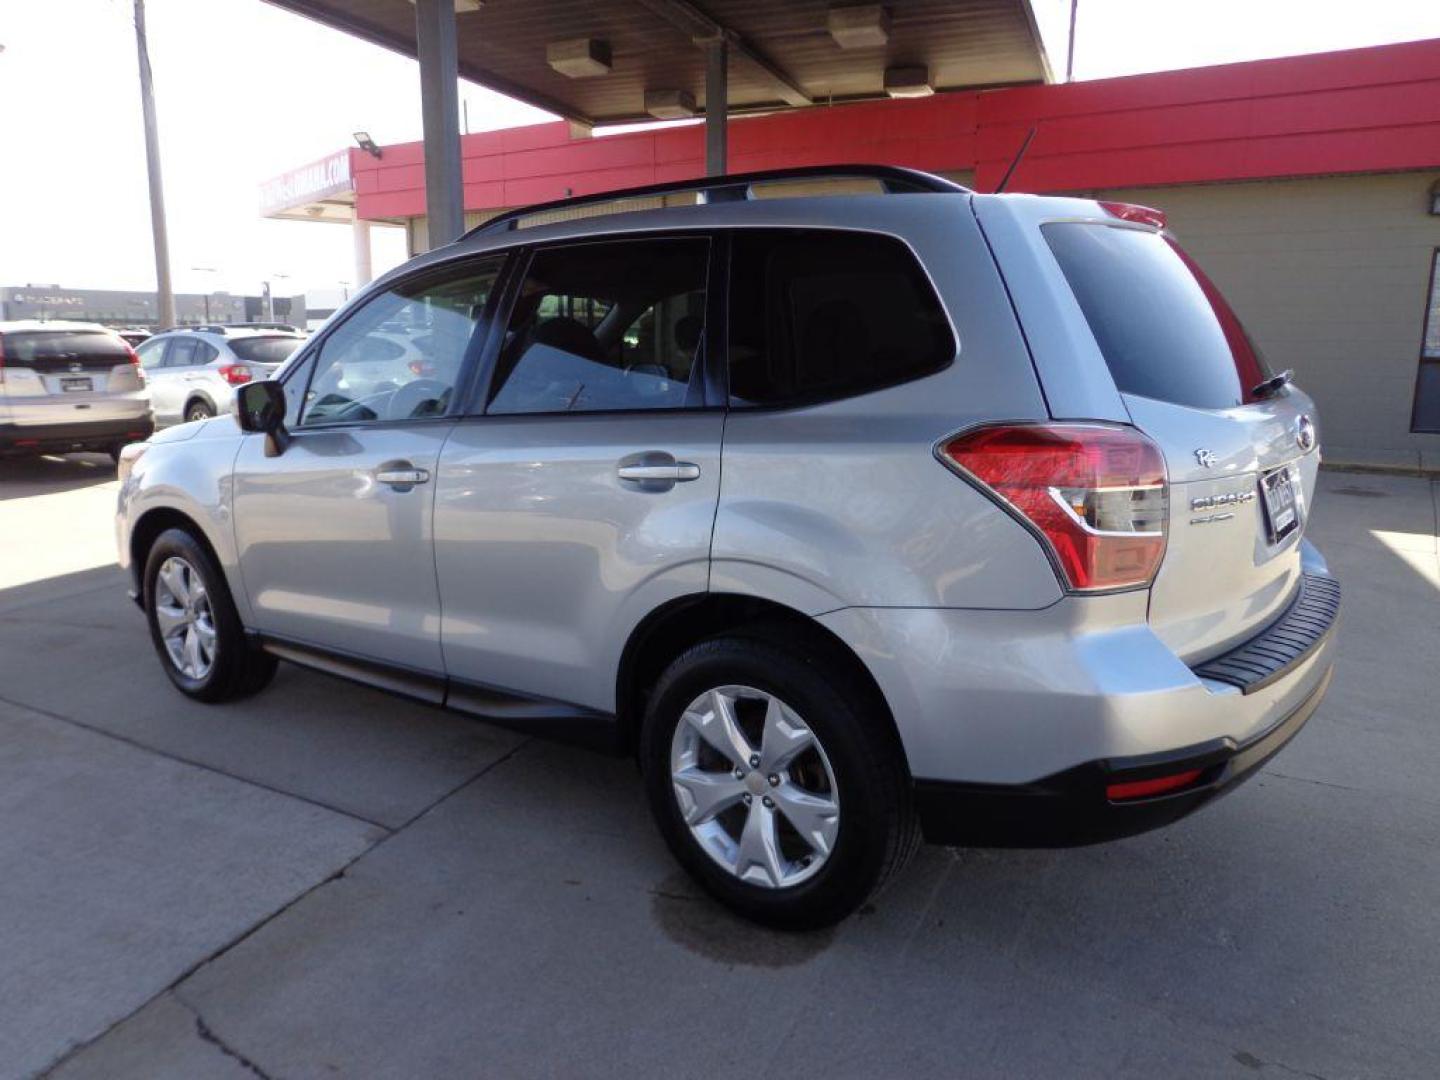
x: 735, y: 187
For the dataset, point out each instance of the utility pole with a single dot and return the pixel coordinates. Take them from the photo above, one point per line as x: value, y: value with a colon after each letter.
x: 164, y: 293
x: 1070, y: 48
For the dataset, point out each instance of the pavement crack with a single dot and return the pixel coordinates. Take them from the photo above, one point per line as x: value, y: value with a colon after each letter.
x: 1250, y: 1061
x: 1309, y: 780
x: 136, y: 744
x: 206, y: 1032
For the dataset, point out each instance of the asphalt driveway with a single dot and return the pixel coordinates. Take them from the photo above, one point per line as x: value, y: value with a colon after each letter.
x: 326, y: 881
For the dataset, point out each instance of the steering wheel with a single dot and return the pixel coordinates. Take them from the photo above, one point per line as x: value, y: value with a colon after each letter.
x: 421, y: 397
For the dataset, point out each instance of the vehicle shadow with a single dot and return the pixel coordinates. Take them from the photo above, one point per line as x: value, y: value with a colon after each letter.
x: 22, y: 477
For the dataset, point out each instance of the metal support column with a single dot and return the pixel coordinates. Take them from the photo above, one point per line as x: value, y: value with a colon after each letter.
x: 440, y: 116
x: 717, y: 100
x: 360, y: 236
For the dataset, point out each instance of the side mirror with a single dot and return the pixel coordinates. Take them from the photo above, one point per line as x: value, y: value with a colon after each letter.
x: 260, y: 407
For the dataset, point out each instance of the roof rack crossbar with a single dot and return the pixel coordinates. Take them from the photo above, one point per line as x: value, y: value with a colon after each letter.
x: 735, y: 187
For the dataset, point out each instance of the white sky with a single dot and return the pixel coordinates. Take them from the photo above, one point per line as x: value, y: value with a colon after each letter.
x: 245, y: 91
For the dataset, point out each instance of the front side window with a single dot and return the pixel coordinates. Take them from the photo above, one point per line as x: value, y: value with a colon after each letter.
x: 606, y: 326
x: 399, y: 357
x: 1426, y: 417
x: 819, y: 315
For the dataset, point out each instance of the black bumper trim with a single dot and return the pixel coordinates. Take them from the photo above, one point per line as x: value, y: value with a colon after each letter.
x: 43, y: 438
x: 1285, y: 644
x: 1070, y: 808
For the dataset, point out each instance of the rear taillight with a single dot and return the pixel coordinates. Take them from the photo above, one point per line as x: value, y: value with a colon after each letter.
x: 1097, y: 495
x: 235, y: 374
x: 132, y: 355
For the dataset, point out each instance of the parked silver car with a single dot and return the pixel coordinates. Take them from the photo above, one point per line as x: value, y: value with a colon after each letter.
x: 69, y: 386
x: 857, y: 518
x: 193, y: 373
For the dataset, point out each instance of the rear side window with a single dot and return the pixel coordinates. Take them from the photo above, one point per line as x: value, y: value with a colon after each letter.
x: 818, y: 315
x: 264, y: 350
x: 1165, y: 330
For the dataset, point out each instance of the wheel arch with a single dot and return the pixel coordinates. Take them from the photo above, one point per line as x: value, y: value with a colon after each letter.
x: 148, y: 528
x: 677, y: 625
x: 198, y: 395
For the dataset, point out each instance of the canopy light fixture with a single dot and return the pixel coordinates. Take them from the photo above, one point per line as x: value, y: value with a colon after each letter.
x: 363, y: 140
x: 670, y: 104
x: 908, y: 82
x: 861, y: 26
x: 579, y: 58
x: 464, y: 7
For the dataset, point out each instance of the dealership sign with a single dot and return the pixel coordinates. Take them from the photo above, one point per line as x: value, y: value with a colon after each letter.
x: 307, y: 184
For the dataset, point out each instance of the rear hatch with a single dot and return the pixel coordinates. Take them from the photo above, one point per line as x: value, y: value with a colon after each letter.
x: 264, y: 354
x: 1241, y: 461
x: 66, y: 363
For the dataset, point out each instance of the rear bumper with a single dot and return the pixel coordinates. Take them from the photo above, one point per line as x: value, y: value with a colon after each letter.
x: 1014, y: 722
x: 69, y: 436
x: 1071, y: 808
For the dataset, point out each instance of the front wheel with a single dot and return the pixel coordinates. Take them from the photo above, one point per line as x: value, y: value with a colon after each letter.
x: 776, y: 781
x: 194, y: 626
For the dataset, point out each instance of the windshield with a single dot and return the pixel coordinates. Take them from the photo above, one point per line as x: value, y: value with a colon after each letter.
x: 1163, y: 326
x: 265, y: 350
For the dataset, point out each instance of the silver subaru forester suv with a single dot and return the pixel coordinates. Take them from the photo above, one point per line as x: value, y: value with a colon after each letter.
x: 857, y: 518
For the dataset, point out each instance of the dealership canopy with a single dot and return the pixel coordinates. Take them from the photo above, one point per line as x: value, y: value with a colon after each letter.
x: 611, y: 61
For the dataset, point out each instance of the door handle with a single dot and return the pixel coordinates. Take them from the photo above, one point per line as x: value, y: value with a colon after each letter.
x: 680, y: 470
x: 401, y: 475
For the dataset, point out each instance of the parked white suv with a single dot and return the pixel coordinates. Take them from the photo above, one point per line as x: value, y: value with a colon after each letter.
x: 855, y: 518
x: 193, y: 373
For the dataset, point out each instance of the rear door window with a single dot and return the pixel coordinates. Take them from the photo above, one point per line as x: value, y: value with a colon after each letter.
x: 817, y: 315
x: 606, y: 326
x: 1162, y: 325
x: 183, y: 352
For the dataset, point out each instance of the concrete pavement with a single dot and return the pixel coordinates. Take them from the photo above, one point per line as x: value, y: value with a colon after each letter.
x: 326, y: 881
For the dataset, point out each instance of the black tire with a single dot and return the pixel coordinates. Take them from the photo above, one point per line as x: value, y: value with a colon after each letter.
x: 878, y: 831
x: 198, y: 410
x: 237, y: 669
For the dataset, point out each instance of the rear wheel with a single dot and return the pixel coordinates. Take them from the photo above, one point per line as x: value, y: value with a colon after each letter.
x: 194, y: 625
x: 198, y: 410
x: 775, y: 783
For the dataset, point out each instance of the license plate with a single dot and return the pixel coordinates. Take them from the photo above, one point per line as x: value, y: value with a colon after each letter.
x: 68, y: 385
x: 1282, y: 513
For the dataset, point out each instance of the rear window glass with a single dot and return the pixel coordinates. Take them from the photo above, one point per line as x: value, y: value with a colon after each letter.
x: 22, y: 349
x: 1165, y: 330
x: 264, y: 350
x: 820, y: 315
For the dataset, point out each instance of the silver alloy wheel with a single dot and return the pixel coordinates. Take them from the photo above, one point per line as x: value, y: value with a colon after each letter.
x: 198, y: 411
x: 185, y: 618
x: 766, y: 809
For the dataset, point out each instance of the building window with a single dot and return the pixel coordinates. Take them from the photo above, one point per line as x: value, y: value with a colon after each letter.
x: 1426, y: 417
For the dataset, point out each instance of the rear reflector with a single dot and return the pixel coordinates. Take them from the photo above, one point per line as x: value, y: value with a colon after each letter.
x: 1146, y: 789
x: 1143, y: 215
x: 1097, y: 495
